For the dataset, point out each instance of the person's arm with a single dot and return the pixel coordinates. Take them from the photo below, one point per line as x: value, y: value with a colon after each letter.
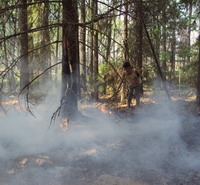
x: 138, y: 76
x: 122, y: 78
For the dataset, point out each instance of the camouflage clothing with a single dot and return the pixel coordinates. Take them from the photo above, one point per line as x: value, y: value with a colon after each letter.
x: 133, y: 80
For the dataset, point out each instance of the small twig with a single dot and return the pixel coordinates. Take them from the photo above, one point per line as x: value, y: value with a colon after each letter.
x: 57, y: 112
x: 27, y: 85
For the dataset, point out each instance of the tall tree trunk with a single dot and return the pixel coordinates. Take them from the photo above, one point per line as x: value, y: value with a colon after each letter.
x: 57, y: 44
x: 189, y: 31
x: 91, y: 56
x: 96, y: 51
x: 70, y: 60
x: 24, y: 63
x: 83, y: 46
x: 45, y: 51
x: 108, y: 43
x: 125, y: 36
x: 164, y: 40
x: 10, y: 74
x: 125, y: 40
x: 109, y: 40
x: 198, y: 75
x: 172, y: 56
x: 139, y: 37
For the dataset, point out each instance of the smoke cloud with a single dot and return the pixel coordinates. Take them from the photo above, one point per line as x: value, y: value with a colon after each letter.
x: 146, y: 148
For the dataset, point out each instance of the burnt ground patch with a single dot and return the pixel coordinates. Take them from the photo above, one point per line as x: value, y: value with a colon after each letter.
x: 135, y: 151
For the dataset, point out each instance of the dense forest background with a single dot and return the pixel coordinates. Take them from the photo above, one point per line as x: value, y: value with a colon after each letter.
x: 81, y: 45
x: 71, y: 52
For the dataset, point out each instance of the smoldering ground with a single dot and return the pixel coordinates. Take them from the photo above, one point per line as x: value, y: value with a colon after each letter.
x: 145, y: 148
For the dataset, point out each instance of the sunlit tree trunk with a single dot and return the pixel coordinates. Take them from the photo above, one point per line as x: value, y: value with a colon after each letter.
x: 139, y: 37
x: 70, y: 60
x: 108, y: 43
x: 95, y: 53
x: 198, y: 75
x: 24, y: 63
x: 90, y: 51
x: 125, y: 41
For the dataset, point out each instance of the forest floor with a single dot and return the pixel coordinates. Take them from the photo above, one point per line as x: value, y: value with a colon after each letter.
x: 157, y: 144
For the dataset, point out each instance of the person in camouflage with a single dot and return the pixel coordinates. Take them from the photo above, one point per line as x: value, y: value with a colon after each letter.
x: 132, y: 77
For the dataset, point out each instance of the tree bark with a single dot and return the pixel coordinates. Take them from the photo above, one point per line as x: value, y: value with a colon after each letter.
x: 125, y: 43
x: 24, y: 65
x: 198, y: 75
x: 10, y: 74
x: 82, y: 46
x: 96, y: 51
x: 45, y: 51
x: 172, y: 57
x: 70, y: 60
x: 164, y: 40
x: 139, y: 37
x: 125, y: 34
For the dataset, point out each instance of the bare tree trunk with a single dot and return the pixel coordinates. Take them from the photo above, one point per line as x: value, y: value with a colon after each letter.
x: 172, y: 57
x: 96, y: 51
x: 70, y: 60
x: 91, y: 41
x: 164, y: 41
x: 83, y: 47
x: 108, y: 43
x: 57, y: 44
x: 139, y: 37
x: 125, y: 32
x: 10, y: 74
x: 125, y: 56
x: 24, y: 65
x: 189, y: 31
x: 109, y: 35
x: 198, y: 75
x: 45, y: 51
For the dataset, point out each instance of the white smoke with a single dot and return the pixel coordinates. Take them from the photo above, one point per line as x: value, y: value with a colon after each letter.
x: 150, y: 139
